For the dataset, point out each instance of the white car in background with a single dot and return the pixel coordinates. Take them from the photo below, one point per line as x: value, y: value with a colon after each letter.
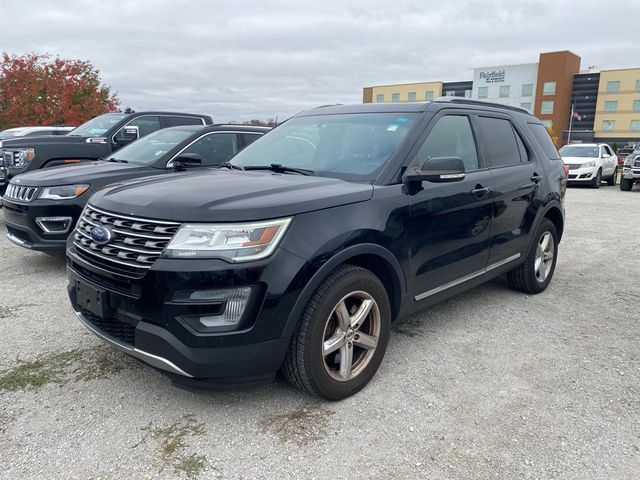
x: 590, y: 163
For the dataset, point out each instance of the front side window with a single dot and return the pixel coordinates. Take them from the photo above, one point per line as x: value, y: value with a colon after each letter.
x: 483, y: 92
x: 249, y: 138
x: 150, y: 148
x: 412, y: 96
x: 348, y: 146
x: 549, y: 88
x: 546, y: 107
x: 504, y: 91
x: 504, y: 146
x: 214, y: 148
x: 610, y: 106
x: 451, y: 136
x: 146, y: 125
x: 608, y: 124
x: 380, y: 98
x: 527, y: 90
x: 581, y: 151
x: 428, y: 95
x: 395, y: 97
x: 613, y: 86
x: 98, y: 126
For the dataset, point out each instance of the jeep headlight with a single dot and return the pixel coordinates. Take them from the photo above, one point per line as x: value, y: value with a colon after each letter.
x: 589, y: 164
x: 23, y: 156
x: 240, y: 242
x: 63, y: 192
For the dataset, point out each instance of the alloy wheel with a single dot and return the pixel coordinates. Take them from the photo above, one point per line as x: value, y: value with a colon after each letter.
x: 544, y: 257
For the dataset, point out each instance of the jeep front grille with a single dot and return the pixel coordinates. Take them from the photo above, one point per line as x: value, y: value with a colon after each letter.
x: 136, y: 242
x: 20, y: 193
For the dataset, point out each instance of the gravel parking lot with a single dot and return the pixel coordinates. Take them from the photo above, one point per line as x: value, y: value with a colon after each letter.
x: 491, y: 384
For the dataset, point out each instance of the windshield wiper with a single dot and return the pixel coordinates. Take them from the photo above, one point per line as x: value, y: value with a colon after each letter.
x: 230, y: 166
x: 278, y: 168
x: 118, y: 160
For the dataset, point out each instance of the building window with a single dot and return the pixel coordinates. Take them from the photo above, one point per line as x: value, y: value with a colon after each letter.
x: 610, y: 106
x: 526, y: 106
x: 549, y: 88
x: 395, y: 97
x: 613, y: 86
x: 428, y: 95
x: 467, y: 93
x: 637, y: 85
x: 634, y: 126
x: 380, y: 98
x: 608, y: 125
x: 527, y: 90
x: 504, y: 91
x: 483, y: 92
x: 412, y: 96
x: 636, y: 105
x: 547, y: 123
x: 450, y: 93
x: 546, y: 107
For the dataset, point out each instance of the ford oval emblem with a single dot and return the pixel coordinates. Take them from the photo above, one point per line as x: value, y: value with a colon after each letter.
x: 101, y: 235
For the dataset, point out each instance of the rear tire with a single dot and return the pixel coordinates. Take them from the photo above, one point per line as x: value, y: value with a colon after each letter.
x: 597, y: 180
x: 535, y: 273
x: 611, y: 181
x: 342, y: 336
x: 626, y: 184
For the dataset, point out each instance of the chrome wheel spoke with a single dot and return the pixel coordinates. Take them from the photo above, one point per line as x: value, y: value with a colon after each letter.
x: 544, y: 242
x: 361, y: 314
x: 346, y: 361
x: 342, y: 313
x: 537, y: 265
x: 365, y: 341
x: 332, y: 344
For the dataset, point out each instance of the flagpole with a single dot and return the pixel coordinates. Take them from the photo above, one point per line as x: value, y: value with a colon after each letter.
x: 570, y: 125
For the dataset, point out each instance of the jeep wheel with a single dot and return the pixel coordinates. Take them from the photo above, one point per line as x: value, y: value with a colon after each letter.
x: 342, y: 335
x: 611, y: 181
x: 597, y: 180
x: 626, y: 184
x: 536, y: 272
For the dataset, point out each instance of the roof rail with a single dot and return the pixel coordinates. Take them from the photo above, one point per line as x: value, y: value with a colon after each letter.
x: 482, y: 103
x: 329, y: 105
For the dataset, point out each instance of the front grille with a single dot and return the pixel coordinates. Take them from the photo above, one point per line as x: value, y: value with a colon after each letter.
x: 122, y: 331
x: 20, y: 193
x: 574, y: 166
x: 135, y: 244
x: 636, y: 162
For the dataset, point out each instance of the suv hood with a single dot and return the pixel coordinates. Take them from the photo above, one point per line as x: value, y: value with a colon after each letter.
x: 229, y: 196
x: 85, y: 172
x: 43, y: 140
x: 578, y: 160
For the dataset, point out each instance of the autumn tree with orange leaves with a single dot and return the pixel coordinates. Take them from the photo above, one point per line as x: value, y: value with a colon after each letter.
x: 41, y: 90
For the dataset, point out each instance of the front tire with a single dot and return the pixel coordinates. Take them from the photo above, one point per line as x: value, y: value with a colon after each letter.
x: 626, y: 184
x: 611, y: 181
x: 342, y: 335
x: 597, y: 180
x: 534, y: 275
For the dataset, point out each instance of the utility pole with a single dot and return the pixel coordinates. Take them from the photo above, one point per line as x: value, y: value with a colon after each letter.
x: 570, y: 125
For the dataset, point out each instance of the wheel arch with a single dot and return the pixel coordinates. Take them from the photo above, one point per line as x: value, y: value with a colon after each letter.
x: 555, y: 215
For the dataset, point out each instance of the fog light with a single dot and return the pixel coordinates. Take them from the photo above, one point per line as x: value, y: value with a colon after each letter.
x: 54, y: 224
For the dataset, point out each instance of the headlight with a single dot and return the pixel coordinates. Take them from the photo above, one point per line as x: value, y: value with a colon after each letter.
x: 63, y: 192
x: 23, y: 156
x: 592, y: 163
x: 628, y: 162
x: 240, y: 242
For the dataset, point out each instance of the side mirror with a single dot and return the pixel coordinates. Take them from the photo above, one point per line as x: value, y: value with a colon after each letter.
x: 129, y: 134
x: 186, y: 160
x: 606, y: 155
x: 436, y: 170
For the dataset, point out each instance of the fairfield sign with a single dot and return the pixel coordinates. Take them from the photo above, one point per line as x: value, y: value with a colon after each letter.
x: 495, y: 76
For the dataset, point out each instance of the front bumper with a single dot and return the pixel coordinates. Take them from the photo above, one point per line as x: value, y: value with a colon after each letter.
x: 24, y: 225
x: 631, y: 173
x: 582, y: 175
x: 143, y: 319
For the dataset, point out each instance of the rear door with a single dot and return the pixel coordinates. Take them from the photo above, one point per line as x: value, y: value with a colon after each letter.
x: 516, y: 178
x: 450, y: 222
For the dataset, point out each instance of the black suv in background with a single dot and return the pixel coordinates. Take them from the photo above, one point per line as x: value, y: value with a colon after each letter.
x: 92, y: 140
x: 41, y: 207
x: 334, y: 224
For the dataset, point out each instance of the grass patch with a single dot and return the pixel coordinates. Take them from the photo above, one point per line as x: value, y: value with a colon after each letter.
x: 8, y: 312
x: 191, y: 466
x: 304, y: 426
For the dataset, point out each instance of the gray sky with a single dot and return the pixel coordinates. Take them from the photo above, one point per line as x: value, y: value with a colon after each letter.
x: 238, y: 60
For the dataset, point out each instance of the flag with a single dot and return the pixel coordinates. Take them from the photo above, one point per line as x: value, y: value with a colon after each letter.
x: 577, y: 116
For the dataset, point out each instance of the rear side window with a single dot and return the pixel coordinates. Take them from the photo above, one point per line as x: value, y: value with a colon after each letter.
x: 249, y: 138
x: 543, y: 139
x: 502, y: 143
x: 451, y: 136
x: 178, y: 121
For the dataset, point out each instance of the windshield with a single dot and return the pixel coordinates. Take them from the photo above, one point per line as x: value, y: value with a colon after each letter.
x: 98, y: 126
x: 11, y: 132
x: 347, y: 146
x: 579, y: 151
x: 148, y: 149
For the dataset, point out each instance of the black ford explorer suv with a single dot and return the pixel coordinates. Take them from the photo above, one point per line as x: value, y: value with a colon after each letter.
x: 92, y: 140
x: 41, y: 207
x: 328, y: 228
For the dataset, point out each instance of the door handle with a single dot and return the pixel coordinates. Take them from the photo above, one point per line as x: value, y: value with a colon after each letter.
x: 480, y: 191
x: 536, y: 178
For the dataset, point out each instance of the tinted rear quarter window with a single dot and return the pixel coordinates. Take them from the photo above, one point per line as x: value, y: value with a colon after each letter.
x: 502, y: 144
x: 249, y: 138
x: 544, y: 140
x: 177, y: 121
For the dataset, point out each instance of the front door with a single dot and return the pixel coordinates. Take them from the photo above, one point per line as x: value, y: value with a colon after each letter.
x: 450, y: 222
